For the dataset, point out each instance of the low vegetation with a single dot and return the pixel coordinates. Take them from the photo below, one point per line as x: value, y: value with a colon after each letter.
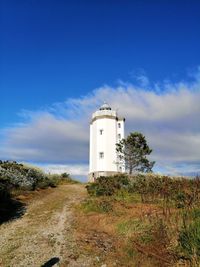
x: 142, y: 220
x: 17, y: 179
x: 154, y: 219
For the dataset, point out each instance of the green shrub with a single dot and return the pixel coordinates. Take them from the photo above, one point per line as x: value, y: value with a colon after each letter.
x: 66, y: 178
x: 108, y: 185
x: 65, y: 175
x: 19, y: 177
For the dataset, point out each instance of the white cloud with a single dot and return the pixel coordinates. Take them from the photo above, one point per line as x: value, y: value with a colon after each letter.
x: 75, y: 169
x: 168, y: 115
x: 46, y: 138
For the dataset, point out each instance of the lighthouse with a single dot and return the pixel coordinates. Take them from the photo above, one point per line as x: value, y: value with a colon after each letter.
x: 106, y: 129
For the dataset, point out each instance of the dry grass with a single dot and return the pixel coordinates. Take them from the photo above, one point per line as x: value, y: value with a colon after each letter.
x: 133, y: 232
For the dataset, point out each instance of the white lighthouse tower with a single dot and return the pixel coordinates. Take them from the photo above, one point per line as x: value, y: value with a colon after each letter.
x: 106, y: 129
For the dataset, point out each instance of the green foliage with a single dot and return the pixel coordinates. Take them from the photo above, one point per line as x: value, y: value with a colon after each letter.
x: 50, y: 180
x: 125, y: 196
x: 65, y: 177
x: 133, y: 151
x: 134, y: 225
x: 180, y: 200
x: 19, y: 177
x: 168, y: 191
x: 107, y: 186
x: 178, y: 192
x: 16, y: 179
x: 148, y: 186
x: 100, y: 205
x: 194, y: 214
x: 189, y: 240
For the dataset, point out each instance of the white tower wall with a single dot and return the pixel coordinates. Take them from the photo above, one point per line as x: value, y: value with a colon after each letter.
x: 105, y: 131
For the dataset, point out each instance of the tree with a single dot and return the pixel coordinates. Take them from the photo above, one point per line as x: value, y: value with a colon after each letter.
x: 133, y: 151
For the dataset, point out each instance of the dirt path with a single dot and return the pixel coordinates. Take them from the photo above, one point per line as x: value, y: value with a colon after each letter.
x: 45, y: 233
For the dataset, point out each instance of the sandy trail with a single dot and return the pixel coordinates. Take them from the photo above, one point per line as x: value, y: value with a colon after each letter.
x: 45, y: 232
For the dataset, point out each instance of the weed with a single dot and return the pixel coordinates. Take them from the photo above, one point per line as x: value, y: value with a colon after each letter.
x: 131, y: 226
x: 146, y: 237
x: 125, y: 196
x: 129, y: 249
x: 94, y: 205
x: 189, y: 240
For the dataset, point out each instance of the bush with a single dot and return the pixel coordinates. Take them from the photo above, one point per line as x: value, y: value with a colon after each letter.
x: 21, y: 176
x: 53, y: 180
x: 14, y: 176
x: 65, y: 177
x: 179, y: 191
x: 108, y: 185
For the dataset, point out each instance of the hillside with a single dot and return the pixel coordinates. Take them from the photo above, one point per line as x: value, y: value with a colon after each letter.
x: 149, y: 221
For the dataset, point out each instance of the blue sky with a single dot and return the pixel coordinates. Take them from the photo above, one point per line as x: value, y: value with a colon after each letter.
x: 55, y: 54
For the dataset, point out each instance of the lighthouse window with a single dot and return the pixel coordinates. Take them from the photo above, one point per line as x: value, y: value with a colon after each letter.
x: 119, y: 136
x: 101, y: 155
x: 119, y: 125
x: 101, y: 131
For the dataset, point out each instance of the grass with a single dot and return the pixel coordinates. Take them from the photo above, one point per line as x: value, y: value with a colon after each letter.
x: 126, y: 197
x: 101, y: 206
x: 142, y: 233
x: 132, y: 226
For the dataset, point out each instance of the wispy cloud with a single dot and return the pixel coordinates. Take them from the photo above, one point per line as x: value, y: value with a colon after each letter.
x: 167, y: 113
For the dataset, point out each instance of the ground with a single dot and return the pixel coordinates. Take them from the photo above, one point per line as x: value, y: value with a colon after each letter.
x: 63, y: 226
x: 46, y: 231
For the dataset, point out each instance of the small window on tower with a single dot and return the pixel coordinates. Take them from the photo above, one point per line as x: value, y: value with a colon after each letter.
x: 119, y: 136
x: 101, y: 131
x: 101, y: 155
x: 119, y: 125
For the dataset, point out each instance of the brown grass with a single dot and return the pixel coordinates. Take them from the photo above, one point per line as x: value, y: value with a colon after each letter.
x: 123, y: 228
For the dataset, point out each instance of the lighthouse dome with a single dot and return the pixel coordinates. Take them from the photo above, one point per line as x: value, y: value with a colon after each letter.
x: 105, y: 106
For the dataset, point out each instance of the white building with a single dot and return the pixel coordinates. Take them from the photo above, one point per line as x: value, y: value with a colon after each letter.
x: 106, y: 129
